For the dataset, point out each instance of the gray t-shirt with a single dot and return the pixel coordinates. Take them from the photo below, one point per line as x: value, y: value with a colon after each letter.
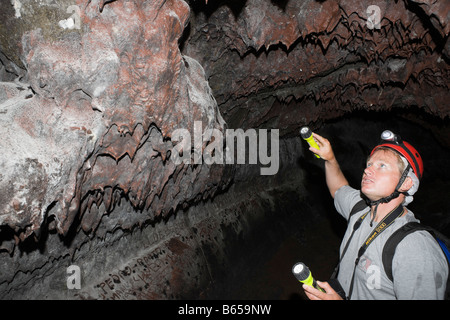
x: 419, y: 266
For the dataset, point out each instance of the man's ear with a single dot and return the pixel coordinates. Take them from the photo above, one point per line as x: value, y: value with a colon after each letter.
x: 407, y: 184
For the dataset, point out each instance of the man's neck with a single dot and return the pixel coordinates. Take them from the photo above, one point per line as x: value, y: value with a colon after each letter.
x: 384, y: 208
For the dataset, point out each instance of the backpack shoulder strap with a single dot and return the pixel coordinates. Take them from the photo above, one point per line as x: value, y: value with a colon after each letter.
x: 360, y: 205
x: 394, y: 240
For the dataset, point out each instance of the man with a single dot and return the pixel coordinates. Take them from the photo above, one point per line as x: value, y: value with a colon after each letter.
x: 389, y: 180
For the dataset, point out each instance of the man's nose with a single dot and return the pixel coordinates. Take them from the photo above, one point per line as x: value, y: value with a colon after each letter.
x: 368, y: 171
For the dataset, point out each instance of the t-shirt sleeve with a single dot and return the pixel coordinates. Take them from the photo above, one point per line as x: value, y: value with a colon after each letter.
x: 345, y: 199
x: 419, y: 268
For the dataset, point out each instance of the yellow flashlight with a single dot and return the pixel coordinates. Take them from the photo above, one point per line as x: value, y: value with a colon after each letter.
x: 302, y: 273
x: 306, y: 134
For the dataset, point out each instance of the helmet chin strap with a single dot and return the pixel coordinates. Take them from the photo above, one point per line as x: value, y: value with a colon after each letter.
x: 390, y: 197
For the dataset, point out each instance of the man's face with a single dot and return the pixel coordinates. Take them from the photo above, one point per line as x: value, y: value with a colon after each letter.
x: 381, y: 175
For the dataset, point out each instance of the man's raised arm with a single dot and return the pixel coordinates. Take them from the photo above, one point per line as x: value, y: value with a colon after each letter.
x: 333, y: 174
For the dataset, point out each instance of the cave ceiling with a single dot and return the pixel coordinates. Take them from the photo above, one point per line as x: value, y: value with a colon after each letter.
x: 92, y: 91
x: 281, y: 63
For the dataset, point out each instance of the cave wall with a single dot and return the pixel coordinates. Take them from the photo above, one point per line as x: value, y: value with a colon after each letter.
x: 93, y: 121
x: 92, y: 91
x: 202, y: 252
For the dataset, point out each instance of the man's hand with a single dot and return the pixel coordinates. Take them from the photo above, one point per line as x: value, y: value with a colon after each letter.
x: 314, y: 294
x: 325, y: 152
x: 334, y: 176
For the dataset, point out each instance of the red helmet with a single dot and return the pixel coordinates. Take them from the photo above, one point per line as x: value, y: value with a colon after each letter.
x: 406, y: 150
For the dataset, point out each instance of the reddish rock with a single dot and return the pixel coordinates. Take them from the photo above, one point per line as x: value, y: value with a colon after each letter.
x: 95, y: 126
